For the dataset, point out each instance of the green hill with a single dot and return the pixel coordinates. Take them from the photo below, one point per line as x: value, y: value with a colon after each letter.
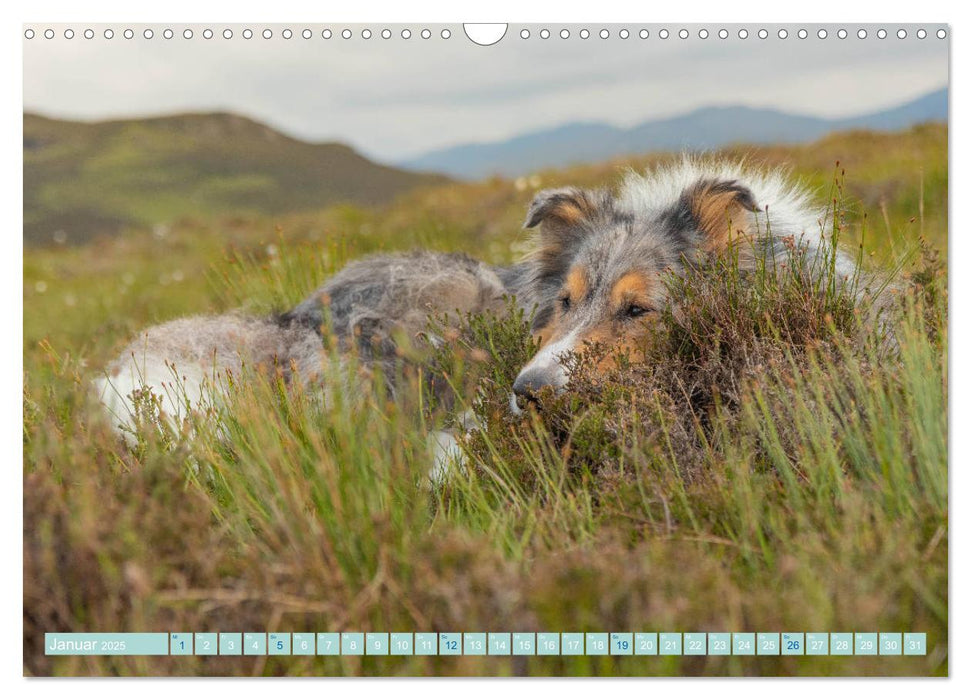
x: 86, y: 179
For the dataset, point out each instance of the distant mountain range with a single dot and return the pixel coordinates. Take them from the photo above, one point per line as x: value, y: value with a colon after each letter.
x: 85, y: 179
x: 82, y: 179
x: 709, y: 127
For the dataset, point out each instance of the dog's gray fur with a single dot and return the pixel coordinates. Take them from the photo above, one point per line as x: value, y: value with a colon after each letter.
x: 367, y: 307
x: 371, y: 300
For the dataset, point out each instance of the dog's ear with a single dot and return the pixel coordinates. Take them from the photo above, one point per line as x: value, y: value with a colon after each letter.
x: 561, y: 208
x: 565, y: 215
x: 720, y: 210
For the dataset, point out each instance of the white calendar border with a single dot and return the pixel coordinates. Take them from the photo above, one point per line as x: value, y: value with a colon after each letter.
x: 449, y: 11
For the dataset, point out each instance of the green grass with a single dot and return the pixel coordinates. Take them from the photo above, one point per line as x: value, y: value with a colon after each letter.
x: 772, y: 467
x: 91, y: 179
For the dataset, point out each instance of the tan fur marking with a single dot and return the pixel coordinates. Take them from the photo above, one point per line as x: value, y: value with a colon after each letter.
x: 576, y: 283
x: 721, y: 217
x: 616, y: 341
x: 572, y: 211
x: 568, y: 213
x: 605, y: 334
x: 632, y: 287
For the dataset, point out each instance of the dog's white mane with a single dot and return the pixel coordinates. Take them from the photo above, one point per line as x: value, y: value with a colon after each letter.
x: 786, y: 208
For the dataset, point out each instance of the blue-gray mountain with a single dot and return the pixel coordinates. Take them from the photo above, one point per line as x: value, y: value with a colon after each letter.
x: 710, y: 127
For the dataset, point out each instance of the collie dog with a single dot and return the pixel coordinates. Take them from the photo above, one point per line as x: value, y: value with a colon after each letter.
x: 596, y: 274
x: 599, y: 267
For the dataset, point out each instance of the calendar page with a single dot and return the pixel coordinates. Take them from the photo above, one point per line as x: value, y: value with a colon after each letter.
x: 529, y: 349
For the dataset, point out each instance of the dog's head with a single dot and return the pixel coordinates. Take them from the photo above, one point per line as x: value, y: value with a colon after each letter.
x: 599, y: 264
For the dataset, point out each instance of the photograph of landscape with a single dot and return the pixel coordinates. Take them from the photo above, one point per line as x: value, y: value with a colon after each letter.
x: 776, y: 468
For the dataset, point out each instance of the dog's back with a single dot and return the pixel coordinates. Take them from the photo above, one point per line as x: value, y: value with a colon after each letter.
x: 366, y: 306
x: 373, y: 298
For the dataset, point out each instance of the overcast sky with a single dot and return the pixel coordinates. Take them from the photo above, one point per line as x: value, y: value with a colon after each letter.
x: 399, y: 97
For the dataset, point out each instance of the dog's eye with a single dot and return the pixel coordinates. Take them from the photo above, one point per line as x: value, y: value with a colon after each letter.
x: 565, y: 303
x: 635, y: 311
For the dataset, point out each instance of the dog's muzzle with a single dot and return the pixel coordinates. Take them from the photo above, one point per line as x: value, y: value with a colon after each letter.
x: 530, y: 381
x: 544, y: 370
x: 528, y: 384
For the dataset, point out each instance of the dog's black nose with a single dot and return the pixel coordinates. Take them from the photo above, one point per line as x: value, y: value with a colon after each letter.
x: 529, y: 382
